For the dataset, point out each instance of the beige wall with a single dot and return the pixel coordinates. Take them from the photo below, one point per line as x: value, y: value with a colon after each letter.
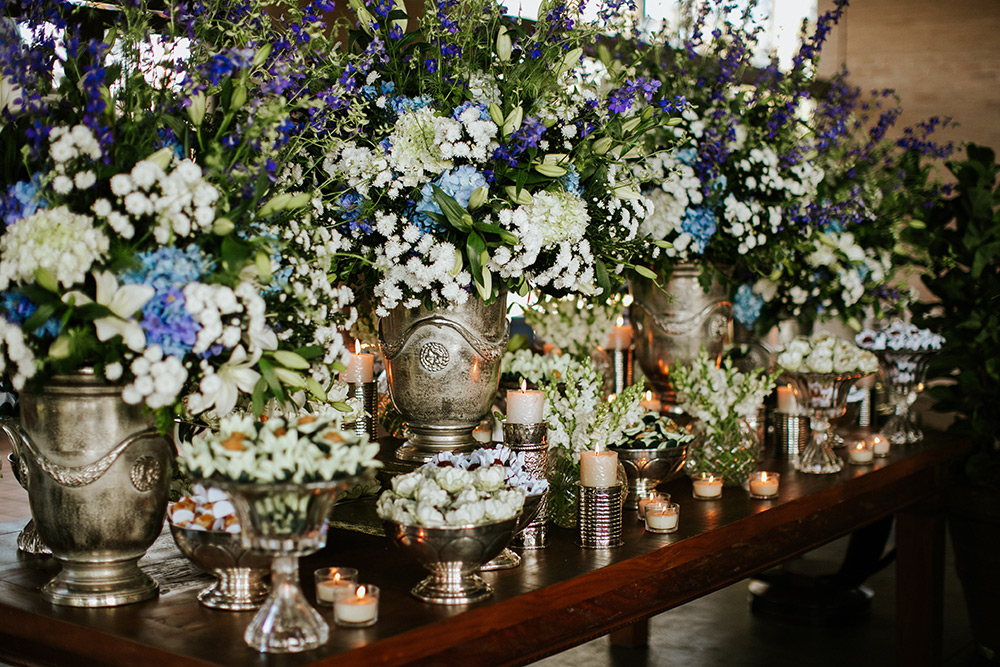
x: 941, y: 57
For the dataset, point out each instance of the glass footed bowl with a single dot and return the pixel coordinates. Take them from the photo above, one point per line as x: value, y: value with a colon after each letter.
x: 507, y: 559
x: 285, y: 521
x: 453, y: 554
x: 821, y: 396
x: 903, y: 372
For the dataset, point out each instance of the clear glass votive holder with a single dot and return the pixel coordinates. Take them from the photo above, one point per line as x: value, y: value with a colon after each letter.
x: 332, y: 581
x: 356, y: 607
x: 764, y: 485
x: 860, y: 452
x: 706, y: 486
x: 653, y: 497
x: 662, y: 517
x: 880, y: 446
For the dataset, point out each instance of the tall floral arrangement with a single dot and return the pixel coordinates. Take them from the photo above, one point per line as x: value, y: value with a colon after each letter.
x: 469, y: 151
x: 147, y: 230
x: 722, y: 196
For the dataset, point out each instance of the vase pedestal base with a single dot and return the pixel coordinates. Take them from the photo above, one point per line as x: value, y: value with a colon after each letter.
x: 99, y: 585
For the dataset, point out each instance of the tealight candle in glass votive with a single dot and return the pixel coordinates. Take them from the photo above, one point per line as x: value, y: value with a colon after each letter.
x: 653, y: 497
x: 764, y: 485
x: 357, y: 608
x: 880, y: 446
x: 860, y: 452
x: 662, y: 517
x: 331, y: 581
x: 706, y: 486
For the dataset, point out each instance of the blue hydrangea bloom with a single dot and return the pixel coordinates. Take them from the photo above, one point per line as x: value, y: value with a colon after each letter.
x: 747, y: 305
x: 699, y: 223
x: 351, y: 209
x: 571, y: 181
x: 459, y: 183
x: 164, y: 317
x: 686, y: 156
x: 401, y: 105
x: 17, y: 308
x: 484, y: 113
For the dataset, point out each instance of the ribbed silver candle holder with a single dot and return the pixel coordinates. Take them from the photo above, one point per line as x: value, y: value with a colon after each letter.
x: 621, y: 368
x: 367, y: 393
x: 791, y: 434
x: 599, y: 516
x: 531, y: 439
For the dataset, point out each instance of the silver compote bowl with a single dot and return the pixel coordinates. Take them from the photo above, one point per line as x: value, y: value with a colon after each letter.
x: 452, y: 554
x: 241, y: 575
x: 822, y: 396
x: 646, y: 468
x: 284, y: 521
x: 507, y: 559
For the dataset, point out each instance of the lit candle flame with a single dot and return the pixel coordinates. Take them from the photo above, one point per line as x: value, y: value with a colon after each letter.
x: 612, y: 397
x: 357, y: 346
x: 649, y: 395
x: 336, y: 577
x: 361, y: 592
x: 524, y: 384
x: 620, y: 322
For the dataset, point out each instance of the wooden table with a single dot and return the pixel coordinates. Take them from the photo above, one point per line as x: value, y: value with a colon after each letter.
x: 559, y: 597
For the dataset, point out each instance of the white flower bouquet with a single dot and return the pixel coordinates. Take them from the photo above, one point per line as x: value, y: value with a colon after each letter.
x: 825, y: 353
x: 899, y: 336
x: 451, y: 496
x: 148, y: 228
x: 513, y: 463
x: 721, y: 398
x: 479, y: 153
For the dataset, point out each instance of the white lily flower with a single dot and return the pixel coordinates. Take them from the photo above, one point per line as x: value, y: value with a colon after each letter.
x: 124, y: 302
x: 220, y: 390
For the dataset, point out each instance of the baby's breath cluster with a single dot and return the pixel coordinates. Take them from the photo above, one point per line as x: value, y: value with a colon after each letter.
x: 300, y: 450
x: 451, y: 496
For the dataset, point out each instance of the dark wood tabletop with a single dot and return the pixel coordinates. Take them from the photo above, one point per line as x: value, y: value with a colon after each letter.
x: 559, y: 597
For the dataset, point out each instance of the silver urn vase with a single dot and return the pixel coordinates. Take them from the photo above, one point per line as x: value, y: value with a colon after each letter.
x: 443, y: 368
x: 98, y: 475
x: 673, y: 322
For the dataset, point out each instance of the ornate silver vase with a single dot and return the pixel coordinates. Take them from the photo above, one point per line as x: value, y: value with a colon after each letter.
x: 443, y: 367
x: 98, y: 475
x: 673, y: 323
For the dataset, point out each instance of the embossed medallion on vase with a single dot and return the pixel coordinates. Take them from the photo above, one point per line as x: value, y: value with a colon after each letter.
x: 674, y: 321
x: 98, y: 475
x: 443, y: 367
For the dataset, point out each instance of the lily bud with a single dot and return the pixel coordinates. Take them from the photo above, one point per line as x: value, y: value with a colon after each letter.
x: 197, y: 109
x: 602, y: 145
x: 276, y: 203
x: 47, y: 279
x: 223, y: 227
x: 238, y: 98
x: 504, y: 46
x: 60, y: 347
x: 550, y: 170
x: 261, y: 55
x: 522, y: 198
x: 290, y: 359
x: 478, y: 197
x: 162, y: 157
x: 512, y: 123
x: 496, y: 113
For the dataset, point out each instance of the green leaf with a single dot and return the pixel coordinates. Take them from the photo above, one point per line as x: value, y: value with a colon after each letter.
x: 258, y: 396
x: 474, y: 248
x: 310, y: 352
x: 602, y: 278
x: 490, y: 228
x: 234, y: 253
x: 267, y: 370
x: 39, y: 317
x: 452, y: 210
x: 644, y: 272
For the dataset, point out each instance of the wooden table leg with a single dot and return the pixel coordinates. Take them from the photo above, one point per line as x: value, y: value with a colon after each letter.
x: 919, y: 584
x: 635, y: 635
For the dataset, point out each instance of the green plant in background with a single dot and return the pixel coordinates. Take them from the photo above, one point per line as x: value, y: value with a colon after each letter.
x: 961, y: 267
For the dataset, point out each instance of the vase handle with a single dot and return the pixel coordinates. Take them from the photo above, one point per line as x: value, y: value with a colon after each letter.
x: 86, y: 474
x: 17, y: 441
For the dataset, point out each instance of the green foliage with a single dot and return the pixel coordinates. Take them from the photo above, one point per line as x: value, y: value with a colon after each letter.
x: 962, y: 268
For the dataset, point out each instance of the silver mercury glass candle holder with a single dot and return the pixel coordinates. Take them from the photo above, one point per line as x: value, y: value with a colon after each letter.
x: 531, y: 440
x: 367, y: 393
x: 599, y: 516
x: 621, y: 368
x: 791, y: 434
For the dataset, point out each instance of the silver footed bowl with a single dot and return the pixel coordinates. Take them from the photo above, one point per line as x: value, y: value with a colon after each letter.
x: 507, y: 559
x: 645, y: 468
x: 452, y: 555
x: 241, y: 575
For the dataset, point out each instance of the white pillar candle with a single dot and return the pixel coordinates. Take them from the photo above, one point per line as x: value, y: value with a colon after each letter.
x: 525, y: 406
x: 358, y: 609
x: 598, y: 469
x: 621, y: 336
x: 764, y: 484
x: 880, y: 446
x: 786, y: 401
x: 360, y: 366
x: 707, y: 487
x: 662, y: 517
